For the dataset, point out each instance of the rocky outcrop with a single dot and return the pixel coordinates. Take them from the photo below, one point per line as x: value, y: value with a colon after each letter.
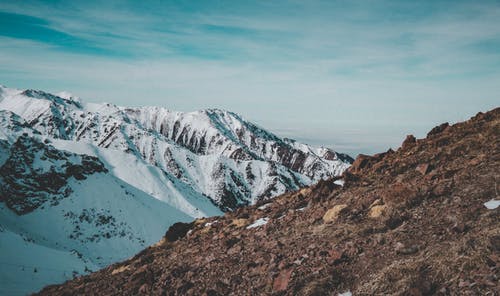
x: 391, y: 229
x: 35, y: 173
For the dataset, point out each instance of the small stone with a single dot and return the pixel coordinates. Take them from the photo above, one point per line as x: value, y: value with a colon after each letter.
x: 234, y: 250
x: 144, y: 289
x: 377, y: 211
x: 238, y: 223
x: 281, y: 281
x: 333, y: 213
x: 334, y: 256
x: 406, y: 250
x: 458, y: 227
x: 283, y: 264
x: 377, y: 202
x: 423, y: 168
x: 379, y: 239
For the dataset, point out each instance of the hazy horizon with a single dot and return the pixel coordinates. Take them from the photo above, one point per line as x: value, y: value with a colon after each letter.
x: 355, y: 76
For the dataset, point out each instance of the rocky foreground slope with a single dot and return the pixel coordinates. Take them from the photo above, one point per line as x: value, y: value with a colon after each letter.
x: 406, y: 222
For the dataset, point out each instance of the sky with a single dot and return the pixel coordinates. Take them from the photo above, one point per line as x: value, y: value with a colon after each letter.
x: 356, y: 76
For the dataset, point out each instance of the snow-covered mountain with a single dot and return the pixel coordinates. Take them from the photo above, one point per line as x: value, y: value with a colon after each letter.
x: 217, y: 153
x: 85, y: 185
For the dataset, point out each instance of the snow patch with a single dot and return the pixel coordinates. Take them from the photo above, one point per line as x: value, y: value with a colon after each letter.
x: 258, y: 223
x: 339, y: 182
x: 211, y: 223
x: 492, y: 204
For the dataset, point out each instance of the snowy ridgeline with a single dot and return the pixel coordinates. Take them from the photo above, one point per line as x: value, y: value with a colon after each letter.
x: 121, y: 176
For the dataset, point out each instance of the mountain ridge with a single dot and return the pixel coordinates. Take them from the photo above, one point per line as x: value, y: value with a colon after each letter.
x: 160, y: 136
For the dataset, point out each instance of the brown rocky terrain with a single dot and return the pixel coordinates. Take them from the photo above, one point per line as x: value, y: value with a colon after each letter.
x: 406, y: 222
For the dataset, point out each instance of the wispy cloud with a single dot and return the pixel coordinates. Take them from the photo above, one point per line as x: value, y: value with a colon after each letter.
x: 327, y: 65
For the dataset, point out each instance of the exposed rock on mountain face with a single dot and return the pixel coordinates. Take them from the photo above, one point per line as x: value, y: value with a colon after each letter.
x: 216, y: 153
x: 406, y: 222
x: 64, y: 213
x: 35, y: 173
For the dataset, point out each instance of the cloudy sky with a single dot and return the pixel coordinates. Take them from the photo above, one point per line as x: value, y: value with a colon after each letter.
x: 354, y: 75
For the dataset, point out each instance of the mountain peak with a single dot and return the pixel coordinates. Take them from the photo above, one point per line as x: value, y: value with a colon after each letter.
x: 41, y: 95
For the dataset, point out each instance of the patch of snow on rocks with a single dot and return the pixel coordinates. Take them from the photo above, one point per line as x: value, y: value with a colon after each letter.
x: 492, y: 204
x: 258, y: 223
x: 339, y: 182
x: 265, y: 206
x: 210, y: 223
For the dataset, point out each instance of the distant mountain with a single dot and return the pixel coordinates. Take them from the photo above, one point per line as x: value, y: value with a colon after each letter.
x: 422, y: 220
x: 217, y: 153
x: 85, y: 185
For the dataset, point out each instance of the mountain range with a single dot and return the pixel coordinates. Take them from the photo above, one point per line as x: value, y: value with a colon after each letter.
x: 84, y: 185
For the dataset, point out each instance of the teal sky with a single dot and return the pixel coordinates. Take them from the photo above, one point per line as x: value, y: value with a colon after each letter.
x: 354, y: 75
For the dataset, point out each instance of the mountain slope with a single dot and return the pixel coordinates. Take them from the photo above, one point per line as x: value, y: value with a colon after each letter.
x: 216, y: 153
x: 421, y: 220
x: 63, y: 214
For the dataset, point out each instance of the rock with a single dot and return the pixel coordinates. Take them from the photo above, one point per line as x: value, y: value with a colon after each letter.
x: 376, y: 202
x: 281, y: 281
x: 459, y: 227
x: 283, y: 264
x: 438, y: 129
x: 238, y: 223
x: 379, y: 239
x: 409, y: 142
x: 120, y: 269
x: 405, y: 250
x: 423, y: 168
x: 441, y: 189
x: 177, y: 231
x: 361, y: 162
x: 335, y: 256
x: 144, y: 289
x: 24, y: 188
x: 377, y: 211
x: 234, y: 250
x: 333, y: 213
x: 400, y: 193
x: 380, y: 156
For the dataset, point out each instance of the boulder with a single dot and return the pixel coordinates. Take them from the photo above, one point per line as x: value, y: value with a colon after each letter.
x: 377, y: 211
x: 333, y: 213
x: 409, y: 142
x: 281, y: 281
